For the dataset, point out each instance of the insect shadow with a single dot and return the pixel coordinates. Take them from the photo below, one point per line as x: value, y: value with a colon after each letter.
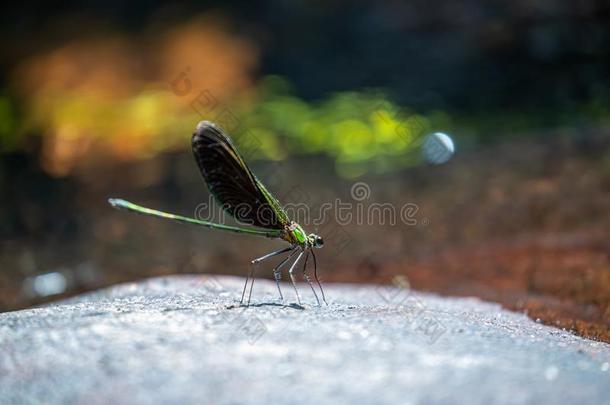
x: 294, y: 305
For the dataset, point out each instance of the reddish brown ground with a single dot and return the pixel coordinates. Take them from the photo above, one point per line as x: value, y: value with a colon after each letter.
x: 562, y: 286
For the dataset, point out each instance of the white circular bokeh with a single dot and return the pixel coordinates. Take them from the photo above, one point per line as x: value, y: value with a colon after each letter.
x: 438, y: 148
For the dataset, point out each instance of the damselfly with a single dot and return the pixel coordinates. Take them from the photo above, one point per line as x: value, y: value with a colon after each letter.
x: 244, y: 197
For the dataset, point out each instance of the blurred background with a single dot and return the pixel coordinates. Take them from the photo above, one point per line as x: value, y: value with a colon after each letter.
x: 99, y: 99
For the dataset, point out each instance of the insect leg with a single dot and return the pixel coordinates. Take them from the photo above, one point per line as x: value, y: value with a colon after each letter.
x: 253, y: 264
x: 307, y: 277
x: 277, y: 271
x: 294, y: 284
x: 315, y: 274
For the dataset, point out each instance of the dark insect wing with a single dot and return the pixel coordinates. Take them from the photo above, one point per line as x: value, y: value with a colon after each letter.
x: 231, y: 182
x: 274, y: 203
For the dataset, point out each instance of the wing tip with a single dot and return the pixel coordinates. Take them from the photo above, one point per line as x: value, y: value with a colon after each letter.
x: 203, y: 130
x: 208, y: 131
x: 203, y: 125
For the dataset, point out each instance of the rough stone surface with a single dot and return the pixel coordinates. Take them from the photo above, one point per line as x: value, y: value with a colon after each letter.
x: 182, y: 340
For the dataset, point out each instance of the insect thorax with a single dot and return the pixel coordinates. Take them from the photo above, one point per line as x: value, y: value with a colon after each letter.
x: 295, y: 234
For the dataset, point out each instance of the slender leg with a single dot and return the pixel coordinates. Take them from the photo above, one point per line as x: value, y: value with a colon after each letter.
x: 315, y: 274
x: 277, y: 272
x: 277, y: 275
x: 255, y: 263
x: 294, y: 284
x: 250, y: 274
x: 307, y: 277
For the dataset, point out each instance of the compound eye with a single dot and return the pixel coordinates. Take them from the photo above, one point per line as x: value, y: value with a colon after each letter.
x: 319, y: 241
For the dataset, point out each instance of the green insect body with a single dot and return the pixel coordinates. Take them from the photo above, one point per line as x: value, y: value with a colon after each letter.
x: 233, y: 184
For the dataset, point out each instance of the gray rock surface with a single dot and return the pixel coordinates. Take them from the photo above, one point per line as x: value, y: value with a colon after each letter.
x: 182, y: 340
